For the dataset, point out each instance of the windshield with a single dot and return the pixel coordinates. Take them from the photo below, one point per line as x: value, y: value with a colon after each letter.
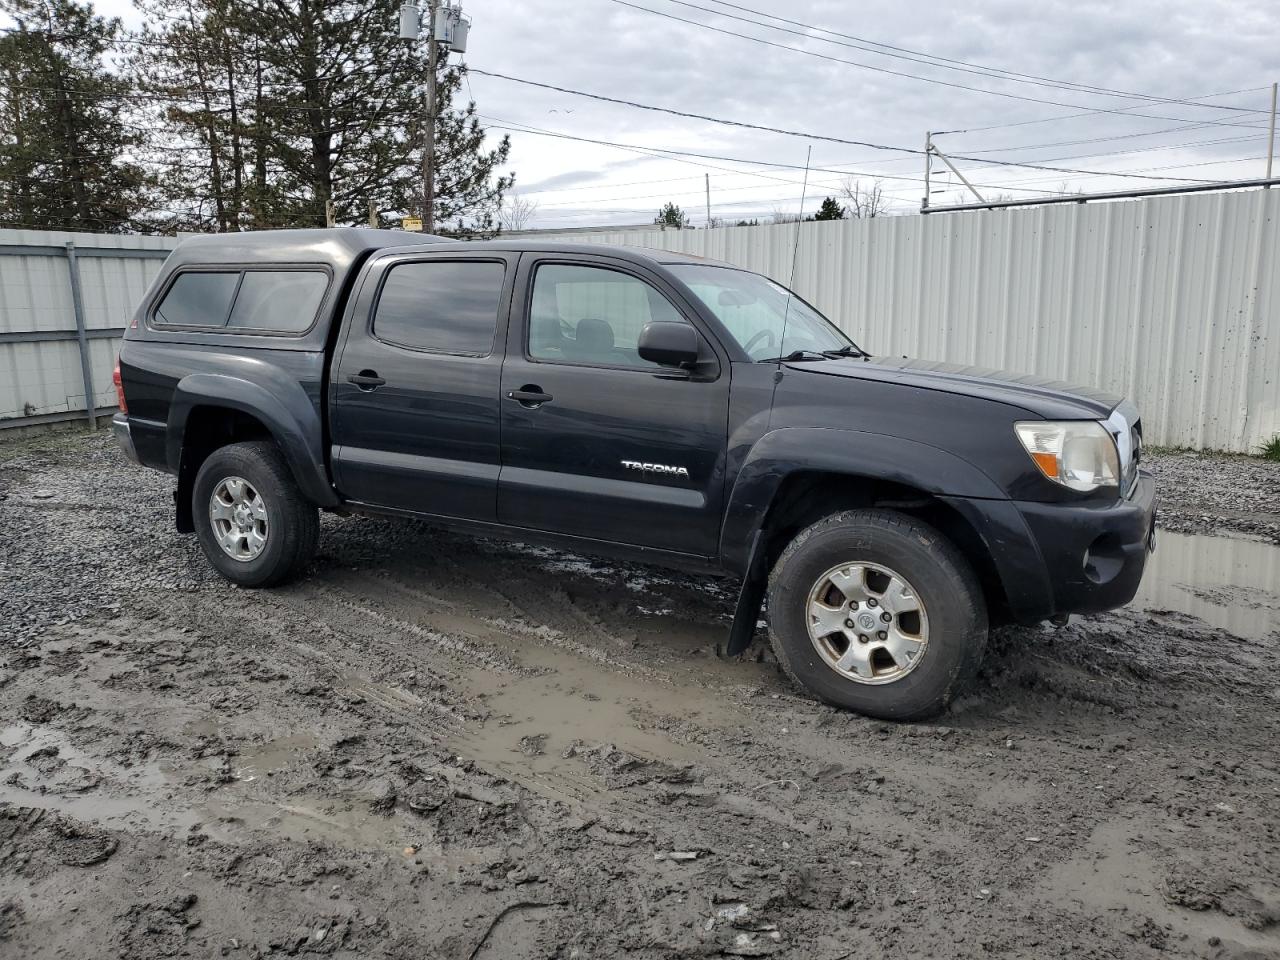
x: 752, y: 307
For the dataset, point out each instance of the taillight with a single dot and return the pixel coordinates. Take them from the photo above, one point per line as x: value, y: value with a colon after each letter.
x: 115, y: 378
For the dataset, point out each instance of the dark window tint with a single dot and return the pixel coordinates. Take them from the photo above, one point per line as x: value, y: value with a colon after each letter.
x: 198, y: 299
x: 446, y: 306
x: 284, y: 301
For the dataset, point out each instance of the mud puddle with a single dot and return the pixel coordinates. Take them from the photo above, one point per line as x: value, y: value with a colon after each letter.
x: 538, y: 723
x: 1228, y: 582
x: 45, y: 768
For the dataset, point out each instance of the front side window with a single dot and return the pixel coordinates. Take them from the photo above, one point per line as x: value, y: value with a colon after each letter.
x: 755, y: 311
x: 198, y: 299
x: 444, y: 306
x: 592, y: 315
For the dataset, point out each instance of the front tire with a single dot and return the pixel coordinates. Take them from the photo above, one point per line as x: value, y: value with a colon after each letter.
x: 877, y: 612
x: 252, y: 521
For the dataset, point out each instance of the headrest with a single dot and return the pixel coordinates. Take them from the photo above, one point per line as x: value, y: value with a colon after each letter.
x: 595, y: 337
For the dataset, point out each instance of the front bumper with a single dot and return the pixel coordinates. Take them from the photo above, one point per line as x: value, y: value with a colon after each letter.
x: 1061, y: 558
x: 124, y: 436
x: 1095, y: 555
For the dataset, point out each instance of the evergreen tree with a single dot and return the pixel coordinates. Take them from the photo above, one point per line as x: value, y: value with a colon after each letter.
x: 64, y: 144
x: 207, y: 115
x: 283, y: 107
x: 830, y: 210
x: 672, y: 216
x: 468, y: 194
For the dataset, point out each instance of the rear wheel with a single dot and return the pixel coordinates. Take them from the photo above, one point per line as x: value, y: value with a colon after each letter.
x: 253, y: 523
x: 878, y: 612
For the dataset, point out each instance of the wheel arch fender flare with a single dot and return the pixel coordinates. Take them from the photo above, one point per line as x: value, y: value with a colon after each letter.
x: 285, y: 409
x: 788, y: 451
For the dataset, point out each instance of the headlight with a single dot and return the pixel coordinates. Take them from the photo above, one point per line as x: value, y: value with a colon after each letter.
x: 1079, y: 454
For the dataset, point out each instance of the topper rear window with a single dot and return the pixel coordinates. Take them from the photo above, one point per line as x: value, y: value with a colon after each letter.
x: 243, y: 301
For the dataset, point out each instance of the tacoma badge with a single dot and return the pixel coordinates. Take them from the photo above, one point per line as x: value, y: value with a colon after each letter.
x: 656, y: 468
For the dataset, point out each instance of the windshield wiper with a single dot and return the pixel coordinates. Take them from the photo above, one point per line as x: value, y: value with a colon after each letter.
x: 846, y: 351
x: 796, y: 355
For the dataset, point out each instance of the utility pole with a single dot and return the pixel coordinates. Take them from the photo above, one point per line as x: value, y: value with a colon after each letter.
x: 451, y: 29
x: 708, y: 176
x: 1271, y: 136
x: 373, y: 213
x: 429, y: 148
x: 928, y: 167
x: 330, y: 216
x: 951, y: 166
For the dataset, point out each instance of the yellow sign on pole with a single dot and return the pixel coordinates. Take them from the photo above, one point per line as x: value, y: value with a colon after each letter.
x: 413, y: 224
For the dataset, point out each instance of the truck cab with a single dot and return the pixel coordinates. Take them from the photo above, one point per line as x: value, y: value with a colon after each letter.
x: 636, y: 403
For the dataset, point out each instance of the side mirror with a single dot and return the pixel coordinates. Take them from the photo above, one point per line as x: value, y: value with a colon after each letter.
x: 669, y: 343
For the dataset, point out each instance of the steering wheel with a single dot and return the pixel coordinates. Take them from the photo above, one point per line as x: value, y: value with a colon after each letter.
x: 760, y: 336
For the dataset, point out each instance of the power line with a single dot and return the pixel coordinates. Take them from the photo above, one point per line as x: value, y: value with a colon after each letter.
x: 496, y: 123
x: 901, y: 73
x: 874, y: 46
x: 928, y: 59
x: 793, y: 133
x: 1119, y: 136
x: 1122, y: 111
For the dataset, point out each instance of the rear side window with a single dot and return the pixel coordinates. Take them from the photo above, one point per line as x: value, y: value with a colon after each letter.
x: 445, y: 306
x: 198, y: 299
x: 278, y: 300
x: 249, y: 301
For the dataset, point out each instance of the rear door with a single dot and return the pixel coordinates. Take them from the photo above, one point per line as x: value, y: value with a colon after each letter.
x: 597, y: 442
x: 414, y: 393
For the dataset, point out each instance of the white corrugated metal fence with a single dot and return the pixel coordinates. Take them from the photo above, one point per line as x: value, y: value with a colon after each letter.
x: 41, y: 374
x: 1172, y: 301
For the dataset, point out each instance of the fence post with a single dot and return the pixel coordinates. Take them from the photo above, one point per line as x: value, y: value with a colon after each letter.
x: 77, y: 303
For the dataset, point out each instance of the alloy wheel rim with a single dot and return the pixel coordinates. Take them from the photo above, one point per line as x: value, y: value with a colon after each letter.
x: 867, y: 622
x: 238, y: 515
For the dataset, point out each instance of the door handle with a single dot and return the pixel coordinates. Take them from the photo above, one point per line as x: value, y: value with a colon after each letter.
x: 530, y: 396
x: 366, y: 380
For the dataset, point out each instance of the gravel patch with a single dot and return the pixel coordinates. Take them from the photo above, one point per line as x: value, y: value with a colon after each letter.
x: 1217, y: 494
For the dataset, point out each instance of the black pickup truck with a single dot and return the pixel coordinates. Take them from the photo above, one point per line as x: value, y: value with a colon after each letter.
x: 642, y: 404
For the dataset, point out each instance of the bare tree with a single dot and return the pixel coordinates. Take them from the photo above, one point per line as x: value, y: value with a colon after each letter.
x: 864, y: 202
x: 517, y: 212
x: 782, y: 216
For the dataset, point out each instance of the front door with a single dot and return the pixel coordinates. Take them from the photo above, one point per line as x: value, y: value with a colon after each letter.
x: 414, y: 395
x: 597, y: 442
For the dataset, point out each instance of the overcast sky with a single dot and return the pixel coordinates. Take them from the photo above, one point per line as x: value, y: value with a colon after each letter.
x: 1171, y: 50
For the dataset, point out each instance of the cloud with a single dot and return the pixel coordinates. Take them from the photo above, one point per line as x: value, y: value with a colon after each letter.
x: 1175, y: 49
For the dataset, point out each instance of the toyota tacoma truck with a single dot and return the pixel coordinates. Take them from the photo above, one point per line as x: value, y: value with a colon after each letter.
x: 882, y: 513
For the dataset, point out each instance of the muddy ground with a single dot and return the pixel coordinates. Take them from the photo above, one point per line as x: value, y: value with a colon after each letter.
x: 433, y: 747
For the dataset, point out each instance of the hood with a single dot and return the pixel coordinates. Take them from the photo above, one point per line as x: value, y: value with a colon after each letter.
x: 1050, y: 399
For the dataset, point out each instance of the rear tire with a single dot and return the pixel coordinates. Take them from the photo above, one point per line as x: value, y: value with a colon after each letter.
x: 877, y: 612
x: 252, y: 521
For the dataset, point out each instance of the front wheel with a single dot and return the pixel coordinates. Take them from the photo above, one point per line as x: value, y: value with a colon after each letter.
x: 878, y: 612
x: 254, y: 525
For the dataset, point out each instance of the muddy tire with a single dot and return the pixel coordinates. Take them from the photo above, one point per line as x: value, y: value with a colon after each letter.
x: 253, y: 523
x: 877, y: 612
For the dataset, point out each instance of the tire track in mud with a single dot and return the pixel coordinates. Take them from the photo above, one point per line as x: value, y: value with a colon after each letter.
x: 336, y: 664
x: 527, y: 597
x: 586, y: 668
x: 403, y: 603
x: 555, y: 682
x: 547, y: 660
